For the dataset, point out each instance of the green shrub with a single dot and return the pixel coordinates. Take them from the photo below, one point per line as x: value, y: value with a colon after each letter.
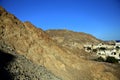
x: 88, y: 48
x: 95, y: 50
x: 111, y: 60
x: 100, y: 59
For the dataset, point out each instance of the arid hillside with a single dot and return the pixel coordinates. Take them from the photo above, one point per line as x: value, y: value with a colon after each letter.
x: 74, y: 41
x: 38, y: 47
x: 69, y: 37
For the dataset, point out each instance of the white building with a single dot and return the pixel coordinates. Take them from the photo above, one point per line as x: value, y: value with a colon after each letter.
x: 117, y: 43
x: 105, y: 50
x: 112, y: 53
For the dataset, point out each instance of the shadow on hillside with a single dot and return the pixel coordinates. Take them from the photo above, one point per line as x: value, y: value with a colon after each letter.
x: 5, y: 58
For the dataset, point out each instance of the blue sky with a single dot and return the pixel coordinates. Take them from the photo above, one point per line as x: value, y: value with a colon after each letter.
x: 101, y: 18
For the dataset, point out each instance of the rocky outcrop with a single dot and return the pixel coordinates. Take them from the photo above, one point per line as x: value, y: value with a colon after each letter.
x: 39, y: 48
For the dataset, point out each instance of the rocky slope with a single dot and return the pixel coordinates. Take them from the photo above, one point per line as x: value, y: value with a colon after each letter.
x: 74, y: 41
x: 17, y: 67
x: 38, y: 47
x: 70, y: 38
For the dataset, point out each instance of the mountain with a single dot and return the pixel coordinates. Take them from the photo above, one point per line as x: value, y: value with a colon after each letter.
x: 64, y: 36
x: 39, y: 48
x: 74, y: 41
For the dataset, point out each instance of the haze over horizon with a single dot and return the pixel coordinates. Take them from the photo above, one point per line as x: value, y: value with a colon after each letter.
x: 101, y: 18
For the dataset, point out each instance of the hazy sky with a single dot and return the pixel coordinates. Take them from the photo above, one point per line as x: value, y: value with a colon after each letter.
x: 100, y: 18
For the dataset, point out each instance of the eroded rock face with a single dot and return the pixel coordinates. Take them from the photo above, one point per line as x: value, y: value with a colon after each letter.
x: 37, y: 46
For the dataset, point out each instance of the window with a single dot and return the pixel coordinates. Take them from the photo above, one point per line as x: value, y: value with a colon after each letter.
x: 114, y: 53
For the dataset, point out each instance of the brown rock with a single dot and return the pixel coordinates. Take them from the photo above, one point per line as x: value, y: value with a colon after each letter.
x: 37, y: 46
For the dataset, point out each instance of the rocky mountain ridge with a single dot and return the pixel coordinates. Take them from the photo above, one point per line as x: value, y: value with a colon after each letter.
x: 74, y: 41
x: 40, y: 48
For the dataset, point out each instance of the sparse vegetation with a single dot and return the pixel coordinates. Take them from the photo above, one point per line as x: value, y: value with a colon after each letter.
x: 94, y: 50
x: 88, y: 48
x: 102, y: 48
x: 100, y: 59
x: 111, y: 59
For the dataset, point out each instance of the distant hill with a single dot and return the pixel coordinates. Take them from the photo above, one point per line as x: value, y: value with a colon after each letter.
x: 68, y: 36
x: 74, y: 41
x: 58, y: 59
